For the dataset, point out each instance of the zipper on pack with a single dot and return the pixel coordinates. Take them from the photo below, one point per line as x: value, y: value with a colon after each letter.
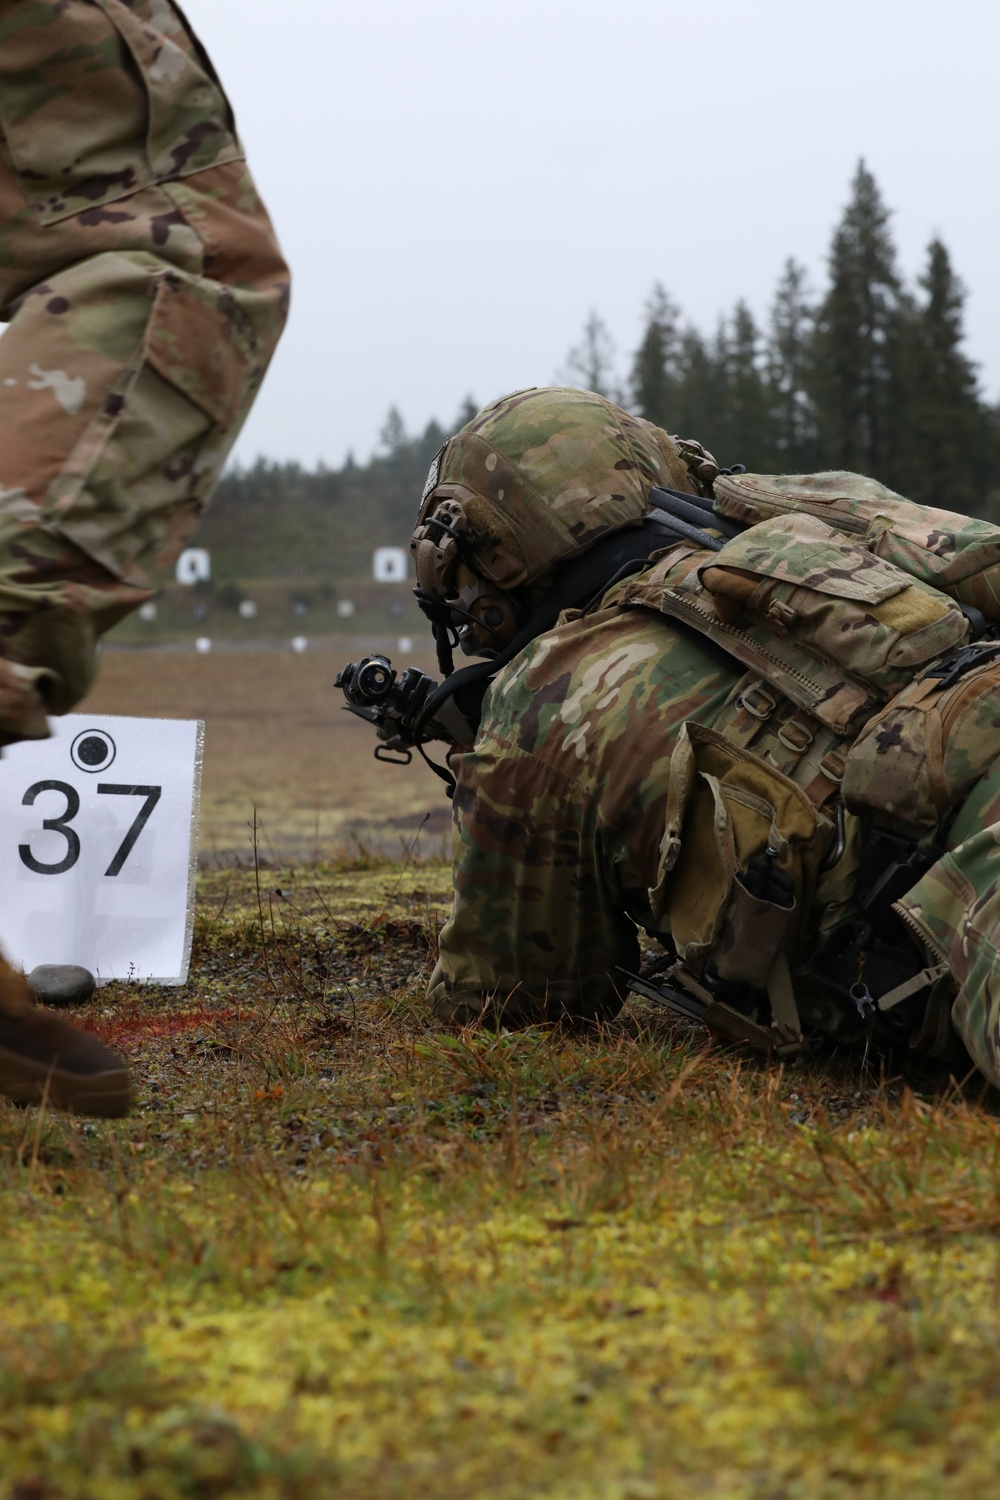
x: 810, y: 692
x: 910, y: 921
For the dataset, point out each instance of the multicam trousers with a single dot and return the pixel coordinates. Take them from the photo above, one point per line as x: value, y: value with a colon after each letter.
x: 145, y: 293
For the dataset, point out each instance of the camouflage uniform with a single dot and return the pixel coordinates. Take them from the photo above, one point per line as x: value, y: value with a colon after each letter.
x: 145, y: 294
x: 565, y: 808
x: 558, y: 817
x: 559, y: 812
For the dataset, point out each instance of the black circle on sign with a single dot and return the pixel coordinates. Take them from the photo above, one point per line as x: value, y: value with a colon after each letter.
x: 93, y: 750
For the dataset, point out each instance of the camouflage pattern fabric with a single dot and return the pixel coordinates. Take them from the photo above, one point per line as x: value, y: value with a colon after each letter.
x: 551, y: 471
x: 559, y: 812
x: 923, y: 755
x: 954, y: 553
x: 145, y: 294
x: 955, y: 911
x: 833, y: 597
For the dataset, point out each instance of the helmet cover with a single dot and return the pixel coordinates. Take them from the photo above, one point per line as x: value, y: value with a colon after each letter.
x: 547, y: 472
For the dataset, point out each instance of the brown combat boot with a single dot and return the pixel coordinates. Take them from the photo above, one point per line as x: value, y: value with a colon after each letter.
x: 43, y: 1057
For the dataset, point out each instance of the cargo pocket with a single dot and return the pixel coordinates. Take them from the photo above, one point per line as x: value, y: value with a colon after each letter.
x: 96, y: 104
x: 726, y: 809
x: 830, y: 595
x: 74, y: 115
x: 199, y: 349
x: 134, y: 487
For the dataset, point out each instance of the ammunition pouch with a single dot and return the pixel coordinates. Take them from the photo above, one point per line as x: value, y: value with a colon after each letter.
x: 739, y: 860
x: 826, y: 594
x: 921, y: 756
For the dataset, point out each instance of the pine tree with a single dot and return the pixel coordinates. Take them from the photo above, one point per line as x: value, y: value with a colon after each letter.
x: 788, y: 360
x: 654, y: 377
x: 745, y: 426
x: 430, y: 441
x: 946, y: 458
x: 856, y: 365
x: 701, y: 391
x: 393, y: 436
x: 591, y: 363
x: 466, y: 411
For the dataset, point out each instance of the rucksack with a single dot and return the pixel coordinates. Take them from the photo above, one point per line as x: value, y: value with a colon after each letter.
x: 871, y: 683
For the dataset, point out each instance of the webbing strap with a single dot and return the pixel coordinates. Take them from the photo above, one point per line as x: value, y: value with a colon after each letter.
x: 799, y: 746
x: 784, y: 1011
x: 913, y: 986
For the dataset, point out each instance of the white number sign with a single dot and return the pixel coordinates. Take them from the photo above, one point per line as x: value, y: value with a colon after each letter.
x: 98, y: 844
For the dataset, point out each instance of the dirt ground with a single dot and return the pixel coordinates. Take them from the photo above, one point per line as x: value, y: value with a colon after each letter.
x: 278, y: 740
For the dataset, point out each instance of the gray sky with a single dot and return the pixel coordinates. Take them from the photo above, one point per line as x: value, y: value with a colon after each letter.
x: 456, y: 184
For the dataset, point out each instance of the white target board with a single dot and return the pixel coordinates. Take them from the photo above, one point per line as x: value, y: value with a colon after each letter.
x: 98, y: 846
x: 193, y: 566
x: 389, y: 565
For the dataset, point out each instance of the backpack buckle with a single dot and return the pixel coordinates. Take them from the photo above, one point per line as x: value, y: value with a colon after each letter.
x: 796, y: 736
x: 964, y: 659
x: 757, y: 701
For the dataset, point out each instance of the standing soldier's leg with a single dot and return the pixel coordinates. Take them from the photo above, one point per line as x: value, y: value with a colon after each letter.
x: 145, y: 294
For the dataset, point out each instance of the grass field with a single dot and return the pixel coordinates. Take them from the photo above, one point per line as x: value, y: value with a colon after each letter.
x: 335, y: 1252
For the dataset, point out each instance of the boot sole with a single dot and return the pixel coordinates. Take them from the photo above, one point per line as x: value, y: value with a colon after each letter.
x: 105, y: 1095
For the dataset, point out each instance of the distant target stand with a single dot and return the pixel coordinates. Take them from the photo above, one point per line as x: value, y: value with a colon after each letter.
x: 194, y: 566
x: 389, y: 565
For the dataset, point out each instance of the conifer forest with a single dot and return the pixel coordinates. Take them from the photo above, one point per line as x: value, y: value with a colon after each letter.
x: 865, y: 373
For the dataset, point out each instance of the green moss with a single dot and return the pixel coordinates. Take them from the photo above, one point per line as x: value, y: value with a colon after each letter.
x: 335, y: 1251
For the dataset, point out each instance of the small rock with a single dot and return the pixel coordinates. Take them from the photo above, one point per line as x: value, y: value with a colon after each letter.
x: 61, y: 984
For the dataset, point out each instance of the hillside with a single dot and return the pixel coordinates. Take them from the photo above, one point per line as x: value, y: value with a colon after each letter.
x: 298, y: 544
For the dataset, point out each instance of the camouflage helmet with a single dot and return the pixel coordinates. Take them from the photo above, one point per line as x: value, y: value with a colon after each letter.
x: 531, y: 482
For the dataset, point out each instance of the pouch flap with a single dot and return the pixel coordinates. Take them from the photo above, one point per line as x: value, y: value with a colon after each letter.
x: 725, y: 806
x: 801, y: 550
x: 195, y: 343
x: 852, y: 500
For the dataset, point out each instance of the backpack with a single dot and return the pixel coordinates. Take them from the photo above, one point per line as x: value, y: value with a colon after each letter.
x: 861, y: 621
x: 955, y: 554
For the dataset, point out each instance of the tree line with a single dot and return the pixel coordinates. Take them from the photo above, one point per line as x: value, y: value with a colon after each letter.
x: 871, y: 375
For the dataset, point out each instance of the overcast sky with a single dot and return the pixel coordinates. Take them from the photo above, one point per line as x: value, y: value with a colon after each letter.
x: 456, y: 184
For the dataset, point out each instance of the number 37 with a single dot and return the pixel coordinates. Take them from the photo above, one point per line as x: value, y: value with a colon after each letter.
x: 61, y: 824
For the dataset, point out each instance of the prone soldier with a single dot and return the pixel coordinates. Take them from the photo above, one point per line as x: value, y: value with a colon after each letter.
x: 755, y: 716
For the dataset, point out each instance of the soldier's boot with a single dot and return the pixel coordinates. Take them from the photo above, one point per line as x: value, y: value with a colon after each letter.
x: 43, y: 1057
x: 453, y: 1008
